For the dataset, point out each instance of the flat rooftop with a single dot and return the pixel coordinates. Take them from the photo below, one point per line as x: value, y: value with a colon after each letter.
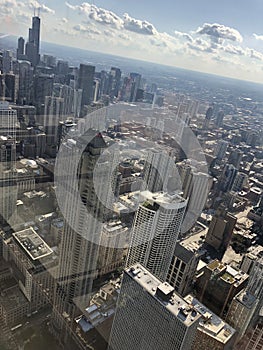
x: 32, y: 244
x: 210, y: 323
x: 165, y: 200
x: 246, y: 299
x: 180, y: 308
x: 216, y: 265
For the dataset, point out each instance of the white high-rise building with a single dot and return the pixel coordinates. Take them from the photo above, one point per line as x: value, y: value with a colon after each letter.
x: 155, y: 231
x: 197, y: 191
x: 151, y: 316
x: 8, y: 120
x: 195, y: 187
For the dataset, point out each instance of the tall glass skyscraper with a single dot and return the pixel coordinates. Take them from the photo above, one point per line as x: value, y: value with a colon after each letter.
x: 33, y: 44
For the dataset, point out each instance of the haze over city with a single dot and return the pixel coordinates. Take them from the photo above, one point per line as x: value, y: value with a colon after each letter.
x: 222, y: 38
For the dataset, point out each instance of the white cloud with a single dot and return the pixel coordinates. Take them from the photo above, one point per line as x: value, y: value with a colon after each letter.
x: 85, y: 29
x: 218, y: 32
x: 258, y: 37
x: 255, y: 54
x: 211, y: 45
x: 138, y: 26
x: 17, y: 12
x: 23, y: 17
x: 71, y: 6
x: 124, y: 37
x: 36, y: 5
x: 11, y: 3
x: 234, y: 50
x: 182, y: 35
x: 200, y: 45
x: 109, y: 18
x: 97, y: 14
x: 7, y: 6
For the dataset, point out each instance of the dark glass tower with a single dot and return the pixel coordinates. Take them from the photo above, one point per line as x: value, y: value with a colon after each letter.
x: 85, y: 82
x: 32, y: 46
x: 20, y: 49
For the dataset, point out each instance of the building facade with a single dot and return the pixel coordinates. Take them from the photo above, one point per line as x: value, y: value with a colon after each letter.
x: 155, y: 230
x: 150, y: 315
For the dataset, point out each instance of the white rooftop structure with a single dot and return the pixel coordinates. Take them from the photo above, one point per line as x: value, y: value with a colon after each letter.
x: 32, y: 244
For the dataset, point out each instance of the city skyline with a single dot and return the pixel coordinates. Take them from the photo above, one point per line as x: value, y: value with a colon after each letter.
x: 204, y: 38
x: 131, y: 202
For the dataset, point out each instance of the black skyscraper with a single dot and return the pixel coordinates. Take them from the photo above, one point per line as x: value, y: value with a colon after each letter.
x: 85, y: 82
x: 20, y: 52
x: 32, y: 46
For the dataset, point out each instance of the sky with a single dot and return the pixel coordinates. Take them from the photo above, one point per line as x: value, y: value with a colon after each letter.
x: 220, y: 37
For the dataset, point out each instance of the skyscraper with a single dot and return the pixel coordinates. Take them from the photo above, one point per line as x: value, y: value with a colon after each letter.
x: 114, y: 81
x: 85, y: 82
x: 79, y: 253
x: 241, y: 311
x: 221, y: 229
x: 43, y: 86
x: 235, y: 157
x: 157, y: 170
x: 183, y: 267
x: 239, y: 182
x: 25, y: 92
x: 228, y: 177
x: 221, y: 149
x: 33, y: 44
x: 155, y: 230
x: 208, y: 117
x: 8, y: 188
x: 195, y: 186
x: 53, y: 114
x: 20, y: 52
x: 150, y: 315
x: 8, y: 120
x: 7, y: 61
x: 220, y: 118
x: 255, y: 283
x: 9, y: 87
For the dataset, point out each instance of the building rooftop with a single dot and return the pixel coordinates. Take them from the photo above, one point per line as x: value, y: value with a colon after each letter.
x: 210, y: 323
x: 255, y: 252
x: 165, y: 295
x: 32, y: 244
x: 246, y: 299
x: 11, y: 295
x: 162, y: 199
x: 227, y: 273
x: 216, y: 265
